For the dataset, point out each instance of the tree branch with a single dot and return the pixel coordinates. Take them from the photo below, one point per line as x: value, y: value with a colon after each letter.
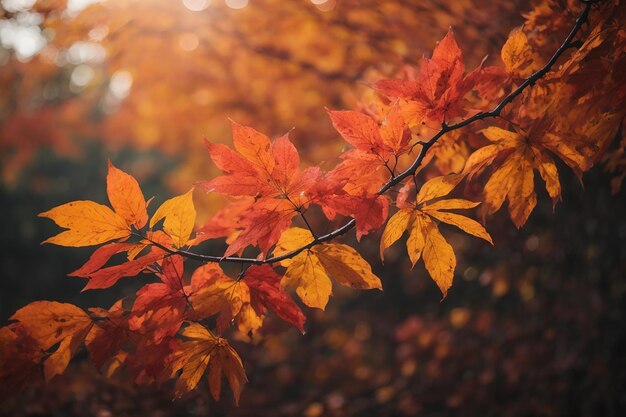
x: 394, y: 180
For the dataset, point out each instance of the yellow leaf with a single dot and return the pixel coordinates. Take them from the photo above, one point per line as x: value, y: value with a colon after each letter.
x: 517, y: 55
x: 248, y: 320
x: 126, y: 197
x: 438, y: 255
x: 308, y: 272
x: 308, y: 277
x: 89, y: 223
x: 290, y: 240
x: 396, y: 226
x: 346, y: 266
x: 438, y: 187
x: 180, y: 217
x: 464, y: 223
x: 205, y: 349
x: 498, y: 186
x: 522, y: 197
x: 499, y: 135
x: 415, y: 242
x: 450, y: 204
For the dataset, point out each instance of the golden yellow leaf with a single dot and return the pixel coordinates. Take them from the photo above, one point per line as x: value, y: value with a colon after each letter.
x: 438, y: 255
x: 290, y: 240
x: 450, y: 204
x: 438, y: 187
x: 308, y: 272
x: 308, y: 277
x: 126, y: 197
x: 425, y: 241
x: 416, y: 241
x: 89, y: 223
x: 346, y: 266
x: 396, y: 226
x: 202, y: 350
x: 466, y: 224
x: 517, y: 54
x: 180, y: 217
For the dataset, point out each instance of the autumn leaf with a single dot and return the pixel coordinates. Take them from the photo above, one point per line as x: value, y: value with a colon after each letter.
x: 425, y: 241
x: 202, y: 350
x: 49, y: 323
x: 310, y: 271
x: 517, y: 154
x: 518, y: 56
x: 180, y: 217
x: 213, y: 292
x: 437, y: 93
x: 269, y: 172
x: 267, y: 293
x: 159, y: 308
x: 89, y: 223
x: 100, y: 257
x: 244, y: 300
x: 108, y: 334
x: 126, y: 197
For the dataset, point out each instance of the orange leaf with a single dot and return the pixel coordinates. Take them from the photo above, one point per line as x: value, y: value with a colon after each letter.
x: 126, y: 197
x: 50, y: 323
x: 89, y: 223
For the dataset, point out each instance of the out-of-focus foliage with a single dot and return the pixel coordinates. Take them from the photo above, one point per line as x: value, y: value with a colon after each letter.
x: 164, y: 74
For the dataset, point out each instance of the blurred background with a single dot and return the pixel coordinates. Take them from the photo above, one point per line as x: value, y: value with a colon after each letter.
x: 533, y: 326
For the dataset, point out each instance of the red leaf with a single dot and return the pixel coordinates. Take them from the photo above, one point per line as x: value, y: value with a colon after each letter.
x: 266, y: 292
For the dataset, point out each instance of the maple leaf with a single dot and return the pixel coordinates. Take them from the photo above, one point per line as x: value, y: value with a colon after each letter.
x: 437, y: 93
x: 269, y: 172
x: 159, y: 307
x: 202, y: 350
x: 516, y: 155
x: 309, y: 272
x: 385, y: 140
x: 49, y: 323
x: 425, y: 240
x: 180, y: 217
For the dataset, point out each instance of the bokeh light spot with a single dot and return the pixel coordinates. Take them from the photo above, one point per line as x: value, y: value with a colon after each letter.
x: 236, y: 4
x: 196, y: 5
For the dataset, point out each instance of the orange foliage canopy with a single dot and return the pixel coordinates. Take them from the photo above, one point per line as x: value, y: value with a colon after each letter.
x: 563, y: 100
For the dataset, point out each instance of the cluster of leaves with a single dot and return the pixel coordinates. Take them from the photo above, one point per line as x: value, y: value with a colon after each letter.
x: 206, y: 57
x: 173, y: 328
